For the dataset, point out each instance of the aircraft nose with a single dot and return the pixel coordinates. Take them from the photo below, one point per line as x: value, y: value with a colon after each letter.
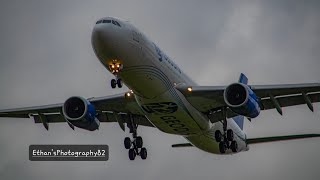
x: 102, y: 37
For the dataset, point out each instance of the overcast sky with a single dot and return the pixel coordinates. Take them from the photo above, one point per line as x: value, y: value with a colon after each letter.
x: 46, y: 57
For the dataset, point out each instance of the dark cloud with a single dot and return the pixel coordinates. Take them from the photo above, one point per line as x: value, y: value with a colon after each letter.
x: 46, y: 57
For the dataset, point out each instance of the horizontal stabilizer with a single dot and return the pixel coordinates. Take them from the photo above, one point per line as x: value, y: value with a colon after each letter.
x: 280, y: 138
x: 181, y: 145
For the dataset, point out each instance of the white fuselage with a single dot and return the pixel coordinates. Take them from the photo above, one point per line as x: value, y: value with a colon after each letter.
x: 153, y: 76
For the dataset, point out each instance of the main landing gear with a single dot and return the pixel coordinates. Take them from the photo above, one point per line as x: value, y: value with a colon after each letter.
x: 135, y: 146
x: 226, y: 139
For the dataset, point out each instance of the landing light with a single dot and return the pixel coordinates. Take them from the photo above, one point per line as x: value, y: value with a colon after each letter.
x: 189, y: 89
x: 128, y: 94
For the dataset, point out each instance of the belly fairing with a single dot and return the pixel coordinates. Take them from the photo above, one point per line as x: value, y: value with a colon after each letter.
x: 170, y: 113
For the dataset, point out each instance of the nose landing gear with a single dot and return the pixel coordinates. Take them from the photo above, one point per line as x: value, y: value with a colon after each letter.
x: 115, y: 82
x: 115, y: 69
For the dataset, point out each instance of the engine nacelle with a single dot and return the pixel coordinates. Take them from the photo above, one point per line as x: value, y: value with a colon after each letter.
x: 80, y: 113
x: 242, y: 100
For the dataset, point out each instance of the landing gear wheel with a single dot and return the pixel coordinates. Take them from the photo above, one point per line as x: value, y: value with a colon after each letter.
x: 230, y: 135
x: 218, y: 136
x: 139, y: 142
x: 132, y: 154
x: 127, y: 143
x: 119, y: 83
x: 234, y: 146
x: 113, y: 83
x: 143, y: 153
x: 222, y: 147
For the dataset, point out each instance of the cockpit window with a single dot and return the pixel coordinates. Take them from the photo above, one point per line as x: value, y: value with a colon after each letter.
x: 106, y: 21
x: 115, y: 23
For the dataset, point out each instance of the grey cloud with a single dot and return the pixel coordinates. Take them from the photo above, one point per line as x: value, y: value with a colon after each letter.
x: 46, y: 56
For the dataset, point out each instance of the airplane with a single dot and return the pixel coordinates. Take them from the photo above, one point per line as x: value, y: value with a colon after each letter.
x: 162, y: 96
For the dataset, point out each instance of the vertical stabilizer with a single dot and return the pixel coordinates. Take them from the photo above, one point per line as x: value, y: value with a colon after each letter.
x: 243, y: 79
x: 239, y: 119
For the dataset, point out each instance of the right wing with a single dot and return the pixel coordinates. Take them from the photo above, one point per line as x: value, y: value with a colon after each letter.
x: 115, y: 108
x: 210, y: 100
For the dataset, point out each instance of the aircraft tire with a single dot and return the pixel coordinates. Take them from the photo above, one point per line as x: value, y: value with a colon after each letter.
x: 222, y: 147
x: 234, y: 146
x: 143, y: 153
x: 127, y: 143
x: 139, y: 142
x: 132, y: 154
x: 113, y: 83
x: 218, y: 136
x: 119, y: 83
x: 230, y: 135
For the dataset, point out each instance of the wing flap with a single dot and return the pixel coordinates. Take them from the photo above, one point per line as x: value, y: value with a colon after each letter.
x: 292, y: 100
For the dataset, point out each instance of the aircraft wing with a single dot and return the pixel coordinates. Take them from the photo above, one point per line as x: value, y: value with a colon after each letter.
x: 210, y: 98
x: 115, y: 108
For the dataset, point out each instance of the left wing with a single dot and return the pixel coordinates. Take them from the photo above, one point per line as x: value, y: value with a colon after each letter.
x: 209, y: 99
x: 115, y: 108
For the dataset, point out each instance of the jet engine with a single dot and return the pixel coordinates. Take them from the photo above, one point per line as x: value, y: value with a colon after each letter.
x: 242, y: 100
x: 80, y: 113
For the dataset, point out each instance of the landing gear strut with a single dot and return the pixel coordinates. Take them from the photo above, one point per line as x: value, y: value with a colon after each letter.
x: 135, y: 146
x: 226, y: 139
